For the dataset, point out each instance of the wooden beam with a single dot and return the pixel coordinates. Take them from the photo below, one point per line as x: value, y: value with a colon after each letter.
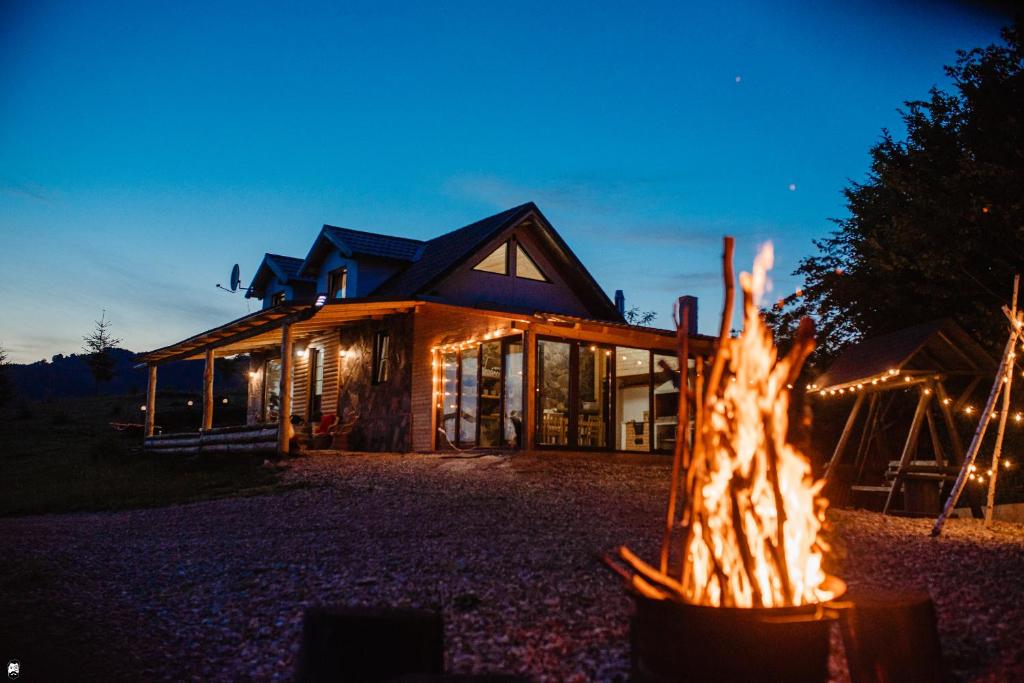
x: 909, y: 448
x: 530, y: 398
x: 870, y: 434
x: 208, y: 391
x: 957, y: 455
x: 284, y: 432
x: 870, y: 423
x: 240, y: 336
x: 933, y: 431
x: 151, y: 400
x: 845, y: 436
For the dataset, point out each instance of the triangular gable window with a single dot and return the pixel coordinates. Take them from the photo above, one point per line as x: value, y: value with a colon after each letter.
x: 496, y: 261
x: 526, y: 267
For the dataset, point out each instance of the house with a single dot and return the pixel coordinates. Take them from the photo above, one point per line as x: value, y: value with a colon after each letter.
x: 490, y: 336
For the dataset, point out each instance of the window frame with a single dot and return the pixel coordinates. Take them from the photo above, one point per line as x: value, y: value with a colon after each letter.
x: 380, y: 368
x: 508, y: 260
x: 332, y: 280
x: 520, y: 249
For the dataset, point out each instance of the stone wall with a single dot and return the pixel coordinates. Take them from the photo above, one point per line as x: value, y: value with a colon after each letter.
x: 380, y: 414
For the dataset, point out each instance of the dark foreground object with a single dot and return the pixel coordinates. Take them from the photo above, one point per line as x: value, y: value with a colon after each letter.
x: 891, y: 637
x: 363, y: 644
x: 676, y: 642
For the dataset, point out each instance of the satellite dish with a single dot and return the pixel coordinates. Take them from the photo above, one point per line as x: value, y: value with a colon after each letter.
x: 234, y: 278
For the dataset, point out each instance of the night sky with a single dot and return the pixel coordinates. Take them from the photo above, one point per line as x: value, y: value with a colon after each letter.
x: 146, y: 147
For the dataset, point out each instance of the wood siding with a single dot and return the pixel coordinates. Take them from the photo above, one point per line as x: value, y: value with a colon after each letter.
x: 380, y: 414
x: 328, y: 343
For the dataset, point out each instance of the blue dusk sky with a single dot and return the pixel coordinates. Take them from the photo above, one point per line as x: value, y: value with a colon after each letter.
x: 146, y: 147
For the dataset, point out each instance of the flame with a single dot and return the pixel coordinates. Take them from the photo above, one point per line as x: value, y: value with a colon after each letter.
x: 753, y: 511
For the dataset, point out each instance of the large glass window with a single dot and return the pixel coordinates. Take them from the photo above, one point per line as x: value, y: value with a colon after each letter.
x: 513, y: 408
x: 666, y: 401
x: 316, y: 382
x: 272, y: 391
x: 490, y: 395
x: 449, y: 390
x: 553, y: 383
x: 468, y: 398
x: 632, y: 399
x: 480, y: 400
x: 592, y: 398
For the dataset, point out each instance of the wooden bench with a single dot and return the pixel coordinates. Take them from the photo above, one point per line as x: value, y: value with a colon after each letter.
x: 921, y: 487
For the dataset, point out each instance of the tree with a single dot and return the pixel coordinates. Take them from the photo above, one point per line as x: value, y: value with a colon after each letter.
x: 98, y: 344
x: 6, y: 385
x: 635, y: 316
x: 937, y: 228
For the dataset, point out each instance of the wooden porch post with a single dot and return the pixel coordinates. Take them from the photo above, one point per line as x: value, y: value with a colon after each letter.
x: 845, y: 436
x: 530, y: 400
x: 284, y: 430
x: 208, y: 391
x: 151, y: 400
x: 909, y: 449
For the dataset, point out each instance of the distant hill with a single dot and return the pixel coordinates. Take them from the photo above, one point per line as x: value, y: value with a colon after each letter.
x: 64, y: 376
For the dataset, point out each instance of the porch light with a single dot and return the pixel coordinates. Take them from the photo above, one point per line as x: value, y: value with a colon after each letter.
x: 321, y: 299
x: 253, y: 374
x: 189, y: 403
x: 224, y: 400
x: 142, y: 408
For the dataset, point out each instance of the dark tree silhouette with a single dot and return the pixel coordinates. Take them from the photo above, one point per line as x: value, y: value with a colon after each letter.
x: 937, y: 229
x: 98, y: 344
x: 6, y: 385
x: 635, y: 316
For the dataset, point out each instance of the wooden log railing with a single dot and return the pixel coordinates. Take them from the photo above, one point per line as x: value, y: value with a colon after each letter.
x: 244, y: 439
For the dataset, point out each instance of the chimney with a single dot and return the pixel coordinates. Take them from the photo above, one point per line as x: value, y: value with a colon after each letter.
x: 691, y: 315
x: 620, y: 302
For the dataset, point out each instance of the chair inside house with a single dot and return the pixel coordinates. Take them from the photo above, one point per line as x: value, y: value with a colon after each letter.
x: 323, y: 433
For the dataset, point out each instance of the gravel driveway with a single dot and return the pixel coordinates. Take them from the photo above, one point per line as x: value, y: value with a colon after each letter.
x: 507, y: 548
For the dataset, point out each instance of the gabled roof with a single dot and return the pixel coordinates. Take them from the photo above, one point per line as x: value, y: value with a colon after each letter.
x: 939, y: 346
x: 443, y: 253
x: 373, y: 244
x: 361, y: 243
x: 284, y: 268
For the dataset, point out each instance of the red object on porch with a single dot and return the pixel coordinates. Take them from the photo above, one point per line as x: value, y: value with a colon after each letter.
x: 327, y: 422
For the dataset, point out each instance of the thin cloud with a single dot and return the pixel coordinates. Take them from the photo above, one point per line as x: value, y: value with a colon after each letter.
x: 26, y: 190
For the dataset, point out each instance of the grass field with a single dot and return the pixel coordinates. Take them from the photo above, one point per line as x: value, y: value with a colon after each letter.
x: 63, y: 456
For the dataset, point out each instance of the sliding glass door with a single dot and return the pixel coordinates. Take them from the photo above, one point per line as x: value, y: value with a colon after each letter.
x: 596, y: 397
x: 593, y: 398
x: 480, y: 400
x: 553, y: 392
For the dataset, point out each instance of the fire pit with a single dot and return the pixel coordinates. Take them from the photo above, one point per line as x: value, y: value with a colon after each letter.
x: 740, y: 588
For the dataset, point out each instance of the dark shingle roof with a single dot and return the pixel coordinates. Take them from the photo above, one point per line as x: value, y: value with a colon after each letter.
x: 288, y: 266
x: 939, y: 345
x: 442, y: 253
x: 373, y: 244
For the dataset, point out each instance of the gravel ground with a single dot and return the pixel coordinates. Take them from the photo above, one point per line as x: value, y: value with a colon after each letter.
x: 507, y: 548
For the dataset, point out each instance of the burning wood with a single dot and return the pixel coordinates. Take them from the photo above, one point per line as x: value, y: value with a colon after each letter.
x: 752, y: 510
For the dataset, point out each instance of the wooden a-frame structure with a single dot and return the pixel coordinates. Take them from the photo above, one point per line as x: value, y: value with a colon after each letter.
x: 879, y: 373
